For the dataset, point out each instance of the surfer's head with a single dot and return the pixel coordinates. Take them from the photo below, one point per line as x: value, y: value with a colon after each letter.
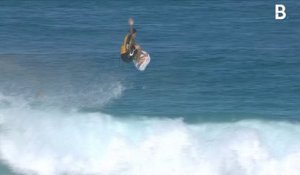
x: 133, y: 32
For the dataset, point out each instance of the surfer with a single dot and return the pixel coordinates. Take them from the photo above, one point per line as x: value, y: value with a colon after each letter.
x: 132, y: 52
x: 128, y: 49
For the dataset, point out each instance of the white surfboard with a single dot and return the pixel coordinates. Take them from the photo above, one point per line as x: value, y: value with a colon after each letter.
x: 144, y: 61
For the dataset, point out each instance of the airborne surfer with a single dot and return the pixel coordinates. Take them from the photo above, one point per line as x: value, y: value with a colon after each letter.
x: 128, y: 49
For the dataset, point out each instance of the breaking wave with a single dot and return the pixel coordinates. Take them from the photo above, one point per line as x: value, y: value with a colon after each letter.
x: 52, y: 142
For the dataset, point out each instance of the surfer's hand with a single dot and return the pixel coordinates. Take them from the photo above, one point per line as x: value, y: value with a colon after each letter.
x: 130, y: 21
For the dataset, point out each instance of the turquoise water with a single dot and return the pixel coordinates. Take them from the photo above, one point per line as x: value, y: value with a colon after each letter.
x: 220, y: 96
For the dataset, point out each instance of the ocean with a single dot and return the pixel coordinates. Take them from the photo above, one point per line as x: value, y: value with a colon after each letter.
x: 221, y: 95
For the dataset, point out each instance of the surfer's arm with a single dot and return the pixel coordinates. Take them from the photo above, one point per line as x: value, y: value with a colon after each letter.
x: 130, y: 23
x: 130, y: 29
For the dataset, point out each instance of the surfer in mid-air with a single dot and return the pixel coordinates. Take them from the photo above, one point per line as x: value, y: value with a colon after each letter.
x: 128, y: 47
x: 130, y: 51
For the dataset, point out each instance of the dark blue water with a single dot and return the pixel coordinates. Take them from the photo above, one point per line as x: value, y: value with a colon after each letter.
x: 211, y: 61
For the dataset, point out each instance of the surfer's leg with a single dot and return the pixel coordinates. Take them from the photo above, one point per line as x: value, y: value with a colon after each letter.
x: 125, y: 57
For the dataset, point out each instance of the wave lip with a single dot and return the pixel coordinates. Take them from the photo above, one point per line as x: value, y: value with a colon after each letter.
x: 56, y: 143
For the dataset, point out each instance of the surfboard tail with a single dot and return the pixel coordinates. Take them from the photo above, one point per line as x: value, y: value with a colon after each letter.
x: 141, y: 66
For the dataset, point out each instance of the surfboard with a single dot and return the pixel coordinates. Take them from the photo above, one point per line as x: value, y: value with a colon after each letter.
x: 144, y: 61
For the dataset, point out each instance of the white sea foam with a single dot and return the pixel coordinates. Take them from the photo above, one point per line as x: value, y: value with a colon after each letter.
x: 56, y: 143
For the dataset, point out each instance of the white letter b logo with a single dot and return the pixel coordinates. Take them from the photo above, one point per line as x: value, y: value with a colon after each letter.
x: 280, y: 11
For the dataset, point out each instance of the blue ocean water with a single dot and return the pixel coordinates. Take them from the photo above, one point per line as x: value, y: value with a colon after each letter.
x: 220, y: 96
